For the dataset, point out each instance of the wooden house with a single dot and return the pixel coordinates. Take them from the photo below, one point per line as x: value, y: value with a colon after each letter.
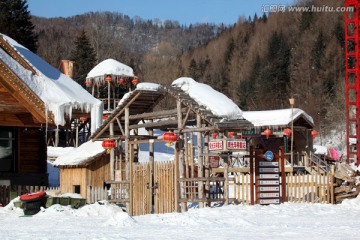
x: 83, y: 167
x: 34, y: 97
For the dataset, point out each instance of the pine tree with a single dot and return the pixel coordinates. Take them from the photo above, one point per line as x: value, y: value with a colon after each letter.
x: 84, y: 57
x: 15, y: 22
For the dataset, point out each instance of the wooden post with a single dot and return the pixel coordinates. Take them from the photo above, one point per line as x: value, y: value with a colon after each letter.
x: 226, y: 182
x: 77, y: 133
x: 176, y: 177
x: 252, y: 175
x: 200, y: 160
x: 181, y: 157
x: 186, y: 155
x: 132, y: 182
x: 109, y: 86
x: 207, y: 165
x: 112, y: 154
x: 56, y: 137
x: 127, y: 160
x: 192, y: 155
x: 151, y: 177
x: 283, y: 174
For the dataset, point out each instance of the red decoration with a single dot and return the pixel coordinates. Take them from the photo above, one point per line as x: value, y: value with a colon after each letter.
x: 121, y: 81
x: 108, y: 78
x: 287, y: 131
x: 108, y: 144
x: 214, y: 135
x: 169, y: 137
x: 104, y: 117
x: 231, y: 134
x: 88, y: 82
x: 135, y: 81
x: 267, y: 132
x: 314, y: 133
x: 83, y: 119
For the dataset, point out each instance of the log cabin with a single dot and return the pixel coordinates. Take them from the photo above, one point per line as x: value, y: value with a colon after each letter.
x: 34, y: 97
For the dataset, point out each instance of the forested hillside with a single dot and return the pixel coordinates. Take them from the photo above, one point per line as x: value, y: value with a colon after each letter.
x: 259, y: 62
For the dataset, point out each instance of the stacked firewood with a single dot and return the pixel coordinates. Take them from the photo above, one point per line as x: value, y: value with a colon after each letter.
x: 346, y: 182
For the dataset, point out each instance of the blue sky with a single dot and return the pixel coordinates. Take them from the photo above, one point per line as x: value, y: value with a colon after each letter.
x: 184, y: 11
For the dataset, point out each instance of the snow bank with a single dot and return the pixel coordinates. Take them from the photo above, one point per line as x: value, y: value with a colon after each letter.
x: 216, y: 102
x: 60, y: 93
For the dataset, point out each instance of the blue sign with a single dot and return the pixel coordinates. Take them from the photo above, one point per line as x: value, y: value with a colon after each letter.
x: 269, y: 156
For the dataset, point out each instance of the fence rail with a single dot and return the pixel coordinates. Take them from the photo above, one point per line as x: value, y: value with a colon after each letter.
x: 95, y: 194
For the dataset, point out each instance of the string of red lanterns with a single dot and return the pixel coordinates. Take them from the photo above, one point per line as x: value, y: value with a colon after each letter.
x: 287, y: 131
x: 314, y: 134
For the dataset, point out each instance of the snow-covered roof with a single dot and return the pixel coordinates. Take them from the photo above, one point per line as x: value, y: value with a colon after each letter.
x: 60, y: 94
x: 80, y: 156
x: 109, y: 67
x: 281, y: 117
x: 216, y: 102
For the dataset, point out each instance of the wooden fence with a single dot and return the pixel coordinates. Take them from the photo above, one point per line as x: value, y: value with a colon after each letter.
x: 301, y: 188
x: 95, y: 194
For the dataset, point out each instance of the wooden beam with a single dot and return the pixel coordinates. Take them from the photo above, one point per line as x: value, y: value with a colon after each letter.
x: 116, y: 116
x: 199, y: 129
x: 154, y: 115
x: 154, y: 124
x: 120, y: 127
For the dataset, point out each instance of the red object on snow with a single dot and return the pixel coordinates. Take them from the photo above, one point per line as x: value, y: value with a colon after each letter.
x: 334, y: 154
x: 32, y: 196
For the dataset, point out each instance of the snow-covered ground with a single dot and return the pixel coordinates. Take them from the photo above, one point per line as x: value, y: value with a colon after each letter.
x: 107, y: 221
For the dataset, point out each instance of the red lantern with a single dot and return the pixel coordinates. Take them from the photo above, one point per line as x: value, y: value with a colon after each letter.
x: 214, y: 135
x: 83, y: 119
x: 169, y: 137
x: 231, y: 134
x: 121, y: 81
x: 135, y: 81
x: 267, y: 132
x: 88, y: 82
x: 287, y: 131
x: 104, y: 117
x: 314, y: 133
x: 108, y: 144
x: 108, y: 78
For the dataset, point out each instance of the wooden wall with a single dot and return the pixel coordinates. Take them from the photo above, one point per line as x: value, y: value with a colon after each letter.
x: 32, y: 151
x: 93, y: 175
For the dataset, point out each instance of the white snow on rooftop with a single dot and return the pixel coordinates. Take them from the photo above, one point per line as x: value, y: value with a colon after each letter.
x: 60, y: 93
x: 80, y: 155
x: 281, y: 117
x: 110, y: 67
x: 216, y: 102
x: 148, y: 86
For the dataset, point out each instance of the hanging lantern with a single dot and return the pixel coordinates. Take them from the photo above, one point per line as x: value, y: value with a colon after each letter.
x: 135, y: 81
x: 231, y: 134
x: 214, y: 135
x: 267, y: 132
x: 108, y: 144
x: 287, y: 131
x: 104, y: 117
x: 169, y: 137
x: 88, y: 83
x: 108, y: 78
x: 314, y: 133
x: 121, y: 81
x: 83, y: 119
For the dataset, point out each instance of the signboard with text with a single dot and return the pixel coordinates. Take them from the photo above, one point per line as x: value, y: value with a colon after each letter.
x: 232, y: 145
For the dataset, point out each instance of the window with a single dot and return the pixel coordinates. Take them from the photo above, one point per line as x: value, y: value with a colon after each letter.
x: 7, y: 145
x: 77, y: 189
